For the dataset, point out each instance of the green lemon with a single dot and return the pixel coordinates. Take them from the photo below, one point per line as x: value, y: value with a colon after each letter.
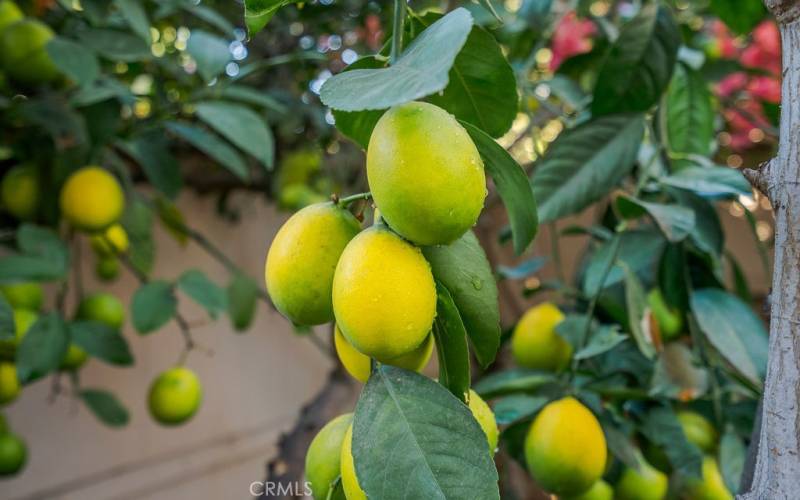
x: 359, y: 366
x: 698, y: 430
x: 600, y: 490
x: 669, y: 319
x: 648, y: 483
x: 12, y: 454
x: 23, y: 320
x: 175, y: 396
x: 107, y: 268
x: 425, y: 174
x: 92, y: 199
x: 102, y: 307
x: 711, y: 487
x: 23, y: 295
x: 297, y: 196
x: 485, y: 417
x: 19, y: 192
x: 302, y: 259
x: 25, y: 57
x: 74, y: 358
x: 9, y: 383
x: 535, y: 343
x: 323, y: 457
x: 9, y: 14
x: 352, y: 490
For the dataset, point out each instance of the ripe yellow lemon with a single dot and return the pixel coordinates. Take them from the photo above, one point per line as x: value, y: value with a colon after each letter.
x: 425, y: 174
x: 102, y: 307
x: 670, y: 322
x: 9, y: 14
x: 175, y: 396
x: 698, y: 430
x: 92, y: 199
x: 712, y: 486
x: 112, y: 241
x: 20, y: 193
x: 23, y: 295
x: 485, y: 417
x: 648, y: 483
x: 13, y: 454
x: 352, y: 490
x: 358, y: 365
x: 535, y: 342
x: 384, y: 296
x: 565, y: 448
x: 600, y: 490
x: 24, y: 55
x: 9, y: 383
x: 302, y: 259
x: 323, y: 457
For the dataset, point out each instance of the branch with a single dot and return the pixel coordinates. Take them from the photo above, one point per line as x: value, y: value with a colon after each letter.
x: 759, y: 177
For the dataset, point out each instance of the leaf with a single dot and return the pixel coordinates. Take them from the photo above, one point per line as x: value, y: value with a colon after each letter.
x: 257, y: 13
x: 105, y: 407
x: 732, y: 455
x: 734, y: 331
x: 741, y: 16
x: 517, y: 407
x: 43, y: 242
x: 152, y: 306
x: 620, y: 445
x: 451, y: 345
x: 638, y: 320
x: 7, y: 326
x: 512, y: 381
x: 662, y: 428
x: 29, y: 268
x: 690, y: 117
x: 173, y: 220
x: 463, y: 269
x: 115, y: 45
x: 358, y: 125
x: 242, y: 294
x: 710, y: 182
x: 707, y: 233
x: 205, y: 292
x: 421, y: 70
x: 210, y: 16
x: 254, y: 97
x: 138, y: 223
x: 211, y: 145
x: 512, y: 186
x: 73, y: 59
x: 151, y: 152
x: 639, y: 64
x: 134, y: 14
x: 42, y: 348
x: 584, y: 163
x: 408, y: 424
x: 101, y: 341
x: 242, y: 126
x: 674, y: 221
x: 676, y: 376
x: 102, y: 89
x: 210, y: 52
x: 602, y: 340
x: 522, y: 270
x: 638, y: 250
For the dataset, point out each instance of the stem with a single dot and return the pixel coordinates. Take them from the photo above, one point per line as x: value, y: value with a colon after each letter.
x: 555, y: 247
x: 398, y: 23
x: 347, y: 200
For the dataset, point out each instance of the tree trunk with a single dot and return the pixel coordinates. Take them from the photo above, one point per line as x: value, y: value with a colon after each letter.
x: 776, y: 473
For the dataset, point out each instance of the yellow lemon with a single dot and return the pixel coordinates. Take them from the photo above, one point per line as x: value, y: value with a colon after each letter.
x: 13, y: 454
x: 112, y: 241
x: 698, y: 430
x: 352, y: 490
x: 9, y: 383
x: 600, y: 490
x: 175, y: 396
x: 323, y: 457
x: 20, y: 193
x: 9, y: 14
x: 92, y: 199
x: 648, y: 483
x: 74, y: 358
x: 535, y: 343
x: 565, y: 448
x: 302, y: 259
x: 712, y: 486
x: 670, y: 322
x: 485, y: 417
x: 25, y: 58
x: 23, y: 295
x: 425, y: 174
x: 358, y: 365
x: 102, y: 307
x: 384, y: 296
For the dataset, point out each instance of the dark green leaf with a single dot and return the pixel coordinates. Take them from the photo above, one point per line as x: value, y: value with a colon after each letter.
x: 707, y: 233
x: 152, y: 306
x: 358, y: 125
x: 205, y: 292
x: 638, y: 250
x: 74, y: 60
x: 522, y: 270
x: 732, y: 454
x: 7, y: 326
x: 620, y: 445
x: 451, y: 345
x: 257, y: 13
x: 210, y: 16
x: 242, y: 295
x: 242, y: 126
x: 254, y: 97
x: 517, y: 407
x: 210, y: 52
x: 211, y: 145
x: 42, y: 348
x: 690, y: 118
x: 662, y: 428
x: 603, y: 339
x: 134, y: 14
x: 638, y: 322
x: 675, y: 221
x: 115, y: 45
x: 151, y: 151
x: 741, y: 16
x: 102, y: 89
x: 138, y: 222
x: 29, y: 268
x: 101, y: 341
x: 512, y: 381
x: 105, y: 407
x: 710, y: 182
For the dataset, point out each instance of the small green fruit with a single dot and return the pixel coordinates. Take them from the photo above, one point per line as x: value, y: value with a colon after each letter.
x: 104, y: 308
x: 13, y: 454
x: 323, y: 457
x: 25, y: 57
x: 670, y: 321
x: 175, y: 396
x: 23, y: 295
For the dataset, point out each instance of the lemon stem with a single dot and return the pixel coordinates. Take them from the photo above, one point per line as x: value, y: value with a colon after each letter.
x: 347, y: 200
x: 398, y: 22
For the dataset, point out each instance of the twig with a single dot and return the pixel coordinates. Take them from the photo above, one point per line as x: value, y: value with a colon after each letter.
x: 398, y: 23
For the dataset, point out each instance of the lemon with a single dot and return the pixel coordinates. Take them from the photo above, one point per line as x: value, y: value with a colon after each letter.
x: 23, y: 320
x: 9, y: 383
x: 12, y: 454
x: 102, y: 307
x: 565, y: 448
x: 175, y: 396
x: 20, y: 193
x: 648, y: 483
x: 92, y: 199
x: 425, y: 174
x: 23, y: 295
x: 669, y: 320
x: 112, y: 241
x: 352, y: 490
x: 535, y: 342
x: 384, y: 296
x: 358, y: 365
x: 600, y: 490
x: 302, y: 259
x: 323, y: 457
x: 712, y: 486
x: 698, y: 430
x: 9, y: 14
x: 107, y: 268
x: 485, y: 417
x: 25, y: 58
x: 74, y: 358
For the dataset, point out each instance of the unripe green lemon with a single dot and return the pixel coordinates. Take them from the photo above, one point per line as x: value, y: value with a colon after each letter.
x: 25, y: 57
x: 535, y: 343
x: 648, y: 483
x: 384, y: 296
x: 298, y: 195
x: 20, y: 193
x: 712, y: 486
x: 358, y: 365
x: 670, y: 322
x: 600, y: 490
x: 23, y: 320
x: 92, y: 199
x: 352, y: 490
x: 425, y: 174
x: 102, y: 307
x: 12, y: 454
x: 698, y: 430
x: 112, y: 241
x: 485, y: 417
x: 107, y: 268
x: 9, y: 383
x: 9, y: 14
x: 175, y: 396
x: 302, y: 259
x: 323, y: 458
x: 565, y: 448
x: 23, y: 295
x: 74, y: 358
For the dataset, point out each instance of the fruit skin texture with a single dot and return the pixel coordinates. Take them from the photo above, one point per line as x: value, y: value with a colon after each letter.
x: 647, y: 484
x: 670, y: 323
x: 112, y: 241
x: 9, y: 14
x: 712, y: 487
x: 384, y: 296
x: 485, y: 417
x: 23, y: 295
x: 698, y: 430
x: 92, y: 199
x: 352, y: 490
x: 20, y: 193
x: 600, y: 490
x: 104, y: 308
x: 13, y: 454
x: 9, y: 383
x: 565, y: 448
x: 175, y: 396
x: 24, y: 55
x: 323, y: 457
x: 425, y: 174
x: 302, y: 259
x: 535, y: 343
x: 358, y: 365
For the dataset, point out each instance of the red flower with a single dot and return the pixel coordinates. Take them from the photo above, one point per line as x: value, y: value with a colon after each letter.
x: 572, y: 36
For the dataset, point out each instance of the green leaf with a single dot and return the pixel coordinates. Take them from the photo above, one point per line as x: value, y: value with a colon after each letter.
x: 152, y: 306
x: 585, y: 163
x: 358, y: 125
x: 741, y: 16
x: 205, y: 292
x: 674, y: 221
x: 638, y: 250
x: 210, y: 16
x: 242, y: 126
x: 138, y: 223
x: 662, y: 428
x: 254, y: 97
x: 707, y: 233
x: 257, y: 13
x: 620, y: 445
x: 115, y: 45
x: 421, y: 70
x: 676, y: 374
x: 29, y: 268
x: 151, y: 152
x: 522, y: 270
x: 732, y: 455
x: 710, y: 182
x: 451, y: 345
x: 603, y: 339
x: 42, y: 348
x: 73, y: 59
x: 463, y: 269
x: 512, y: 186
x: 734, y: 330
x: 105, y: 407
x: 173, y: 219
x: 101, y: 341
x: 512, y: 381
x: 7, y: 326
x: 211, y: 145
x: 242, y: 295
x: 134, y: 14
x: 639, y: 64
x: 100, y: 90
x: 43, y: 242
x: 690, y: 117
x: 406, y: 423
x: 210, y: 52
x: 638, y: 322
x: 517, y: 407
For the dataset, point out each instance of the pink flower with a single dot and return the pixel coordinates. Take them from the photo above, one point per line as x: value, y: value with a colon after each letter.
x: 765, y: 50
x: 572, y: 36
x: 765, y: 88
x: 725, y: 42
x: 732, y: 84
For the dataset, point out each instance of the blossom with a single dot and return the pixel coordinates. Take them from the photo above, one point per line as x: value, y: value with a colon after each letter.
x: 571, y: 37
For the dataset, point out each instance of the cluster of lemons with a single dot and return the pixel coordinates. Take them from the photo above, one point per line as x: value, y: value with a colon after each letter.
x: 23, y: 41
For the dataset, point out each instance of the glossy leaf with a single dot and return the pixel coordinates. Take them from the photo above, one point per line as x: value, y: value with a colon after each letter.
x: 662, y: 428
x: 602, y: 340
x: 257, y: 13
x: 105, y: 407
x: 134, y: 14
x: 522, y: 270
x: 358, y: 125
x: 101, y: 341
x: 451, y: 345
x: 211, y: 145
x: 74, y: 60
x: 638, y: 250
x: 690, y: 117
x: 242, y: 126
x: 202, y: 290
x: 707, y: 233
x: 152, y: 306
x: 674, y: 221
x: 517, y: 407
x: 242, y: 294
x: 151, y: 152
x: 710, y: 181
x: 732, y: 455
x: 512, y: 381
x: 115, y: 45
x: 210, y: 52
x: 42, y: 348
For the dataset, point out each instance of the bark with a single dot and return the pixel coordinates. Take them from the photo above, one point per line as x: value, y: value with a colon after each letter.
x: 776, y: 472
